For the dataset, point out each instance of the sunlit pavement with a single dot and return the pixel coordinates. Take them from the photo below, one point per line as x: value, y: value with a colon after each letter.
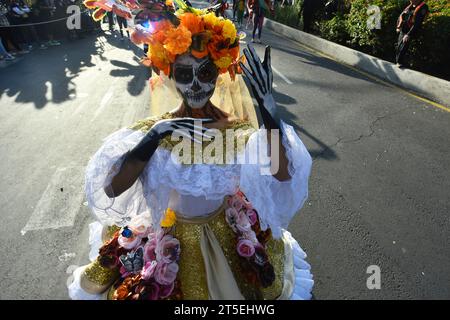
x: 378, y: 190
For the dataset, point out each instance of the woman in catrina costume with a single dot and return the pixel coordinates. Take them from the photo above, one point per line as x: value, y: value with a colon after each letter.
x: 176, y: 225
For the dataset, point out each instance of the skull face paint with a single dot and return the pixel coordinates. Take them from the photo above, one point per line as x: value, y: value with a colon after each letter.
x: 195, y: 79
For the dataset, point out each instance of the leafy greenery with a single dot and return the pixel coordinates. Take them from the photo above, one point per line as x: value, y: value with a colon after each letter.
x: 428, y: 52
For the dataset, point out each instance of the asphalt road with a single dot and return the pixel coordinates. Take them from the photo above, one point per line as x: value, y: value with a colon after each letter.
x: 379, y: 188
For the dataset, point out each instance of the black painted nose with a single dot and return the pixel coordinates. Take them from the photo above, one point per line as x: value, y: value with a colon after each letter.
x: 196, y: 86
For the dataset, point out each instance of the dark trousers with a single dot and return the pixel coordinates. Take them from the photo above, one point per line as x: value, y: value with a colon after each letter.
x: 122, y: 22
x: 258, y: 21
x: 307, y: 20
x: 9, y: 40
x: 401, y: 49
x: 110, y: 20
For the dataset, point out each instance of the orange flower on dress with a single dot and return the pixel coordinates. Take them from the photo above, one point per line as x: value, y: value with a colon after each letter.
x: 121, y: 293
x: 178, y: 40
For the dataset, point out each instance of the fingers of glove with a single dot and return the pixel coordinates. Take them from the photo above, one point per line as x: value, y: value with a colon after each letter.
x: 259, y: 65
x: 250, y: 78
x: 195, y: 128
x: 256, y: 72
x: 193, y: 120
x: 267, y: 64
x: 187, y: 134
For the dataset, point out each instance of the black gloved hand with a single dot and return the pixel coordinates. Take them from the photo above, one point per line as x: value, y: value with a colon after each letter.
x: 261, y: 80
x: 187, y: 126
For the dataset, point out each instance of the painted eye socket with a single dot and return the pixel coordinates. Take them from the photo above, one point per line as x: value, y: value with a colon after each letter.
x: 183, y: 75
x: 207, y: 72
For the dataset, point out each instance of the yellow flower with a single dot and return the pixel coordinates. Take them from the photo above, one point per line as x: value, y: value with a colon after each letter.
x: 229, y: 30
x: 169, y: 218
x: 211, y: 19
x: 224, y: 62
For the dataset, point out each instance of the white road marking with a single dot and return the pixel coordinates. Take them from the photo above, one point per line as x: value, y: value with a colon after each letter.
x: 66, y: 256
x: 60, y: 202
x: 106, y: 98
x: 282, y: 76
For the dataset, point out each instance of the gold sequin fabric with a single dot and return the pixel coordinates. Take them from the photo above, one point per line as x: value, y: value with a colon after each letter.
x: 100, y: 275
x: 192, y: 270
x: 241, y: 131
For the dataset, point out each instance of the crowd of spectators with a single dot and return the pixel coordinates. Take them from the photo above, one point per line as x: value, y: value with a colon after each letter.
x: 29, y: 24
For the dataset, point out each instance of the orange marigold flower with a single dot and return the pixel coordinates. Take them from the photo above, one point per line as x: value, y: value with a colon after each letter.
x: 192, y: 22
x: 159, y: 57
x: 178, y: 40
x: 121, y: 293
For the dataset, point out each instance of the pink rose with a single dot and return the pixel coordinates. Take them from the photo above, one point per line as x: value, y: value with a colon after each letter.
x: 168, y: 249
x: 245, y: 248
x: 243, y: 223
x: 148, y: 270
x: 149, y: 251
x: 140, y: 225
x: 252, y: 216
x: 250, y: 235
x: 165, y: 291
x: 153, y: 291
x: 129, y: 243
x: 237, y: 203
x: 231, y: 215
x: 166, y: 273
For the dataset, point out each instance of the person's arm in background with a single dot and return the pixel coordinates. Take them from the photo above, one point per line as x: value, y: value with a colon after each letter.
x: 418, y: 21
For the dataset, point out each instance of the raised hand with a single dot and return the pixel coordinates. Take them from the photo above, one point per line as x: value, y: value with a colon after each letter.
x: 187, y: 127
x: 260, y: 77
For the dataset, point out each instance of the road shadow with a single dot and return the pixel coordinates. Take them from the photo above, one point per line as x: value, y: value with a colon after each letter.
x: 44, y: 76
x: 139, y: 73
x: 323, y: 151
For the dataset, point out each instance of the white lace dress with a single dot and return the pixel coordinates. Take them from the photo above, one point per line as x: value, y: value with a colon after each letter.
x: 197, y: 190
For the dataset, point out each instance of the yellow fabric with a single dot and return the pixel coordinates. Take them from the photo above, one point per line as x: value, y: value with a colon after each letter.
x: 193, y: 273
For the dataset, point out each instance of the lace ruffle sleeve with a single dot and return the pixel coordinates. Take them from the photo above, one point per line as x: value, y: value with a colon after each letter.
x: 277, y: 201
x: 102, y: 167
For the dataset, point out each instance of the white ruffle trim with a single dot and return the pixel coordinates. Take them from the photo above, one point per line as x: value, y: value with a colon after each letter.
x: 95, y: 239
x: 75, y: 290
x: 277, y: 201
x: 303, y: 277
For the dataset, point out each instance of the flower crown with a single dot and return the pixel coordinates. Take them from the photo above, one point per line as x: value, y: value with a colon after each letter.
x: 170, y: 34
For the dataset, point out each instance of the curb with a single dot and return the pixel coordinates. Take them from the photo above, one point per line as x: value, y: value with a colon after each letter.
x: 425, y: 85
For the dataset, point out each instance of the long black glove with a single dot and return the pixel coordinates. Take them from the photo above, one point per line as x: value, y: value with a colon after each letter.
x: 260, y: 77
x: 189, y: 127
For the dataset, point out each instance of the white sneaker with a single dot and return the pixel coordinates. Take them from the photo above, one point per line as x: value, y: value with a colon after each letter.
x: 9, y: 57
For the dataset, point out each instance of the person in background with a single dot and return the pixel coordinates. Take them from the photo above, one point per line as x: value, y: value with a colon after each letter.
x: 46, y: 14
x: 4, y: 54
x: 20, y: 14
x: 240, y: 7
x: 408, y: 25
x: 260, y: 9
x: 111, y: 22
x: 307, y: 12
x: 9, y: 38
x: 122, y: 22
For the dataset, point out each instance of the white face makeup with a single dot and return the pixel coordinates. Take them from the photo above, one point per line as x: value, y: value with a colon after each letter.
x: 195, y: 79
